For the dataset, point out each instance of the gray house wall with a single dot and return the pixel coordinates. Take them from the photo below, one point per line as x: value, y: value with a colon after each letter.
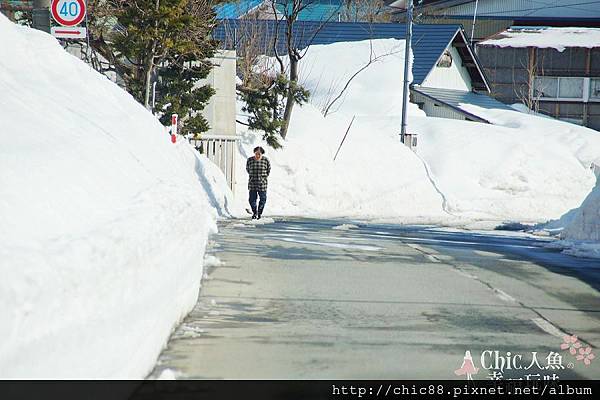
x: 484, y: 28
x: 508, y: 70
x: 436, y: 109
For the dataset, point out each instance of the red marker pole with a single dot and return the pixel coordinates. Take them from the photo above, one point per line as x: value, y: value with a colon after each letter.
x: 173, y: 128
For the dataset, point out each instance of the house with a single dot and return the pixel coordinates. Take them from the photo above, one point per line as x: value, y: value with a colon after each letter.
x: 237, y: 9
x: 493, y: 16
x: 555, y: 71
x: 447, y: 75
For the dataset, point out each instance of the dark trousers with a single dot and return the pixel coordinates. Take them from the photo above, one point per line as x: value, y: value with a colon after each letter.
x: 254, y: 194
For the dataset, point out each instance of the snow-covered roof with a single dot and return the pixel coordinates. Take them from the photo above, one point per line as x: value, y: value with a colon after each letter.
x: 546, y: 37
x: 458, y: 99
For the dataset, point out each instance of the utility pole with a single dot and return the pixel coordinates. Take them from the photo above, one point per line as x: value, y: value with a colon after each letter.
x: 409, y: 26
x: 41, y: 15
x: 474, y: 20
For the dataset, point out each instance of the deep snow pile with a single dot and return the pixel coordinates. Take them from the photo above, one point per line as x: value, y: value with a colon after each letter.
x: 581, y: 233
x: 103, y: 220
x: 374, y: 175
x: 586, y: 222
x: 525, y: 168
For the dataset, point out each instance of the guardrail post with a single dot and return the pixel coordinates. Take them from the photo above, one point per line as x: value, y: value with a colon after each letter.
x: 219, y: 149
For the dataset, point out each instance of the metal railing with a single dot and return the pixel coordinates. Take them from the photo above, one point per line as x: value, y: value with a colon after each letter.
x: 221, y: 150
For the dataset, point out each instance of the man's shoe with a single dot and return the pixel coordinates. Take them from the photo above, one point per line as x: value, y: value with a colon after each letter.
x: 258, y: 216
x: 254, y: 216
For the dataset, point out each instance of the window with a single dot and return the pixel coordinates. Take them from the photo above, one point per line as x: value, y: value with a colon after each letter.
x: 595, y: 88
x: 550, y: 87
x: 546, y: 87
x: 445, y: 60
x: 570, y: 88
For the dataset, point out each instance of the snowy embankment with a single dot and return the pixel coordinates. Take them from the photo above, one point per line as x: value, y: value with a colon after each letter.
x: 523, y: 168
x: 581, y: 228
x: 104, y: 221
x: 374, y: 175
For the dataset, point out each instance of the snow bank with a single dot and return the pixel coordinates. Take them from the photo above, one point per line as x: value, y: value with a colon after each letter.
x: 531, y: 169
x: 104, y: 221
x: 581, y: 236
x: 557, y: 38
x: 524, y: 168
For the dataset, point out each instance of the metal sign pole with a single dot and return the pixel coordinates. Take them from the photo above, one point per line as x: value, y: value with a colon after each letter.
x: 474, y: 20
x: 87, y: 38
x: 409, y: 23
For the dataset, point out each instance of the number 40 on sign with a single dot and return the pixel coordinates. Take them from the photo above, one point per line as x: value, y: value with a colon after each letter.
x: 68, y: 12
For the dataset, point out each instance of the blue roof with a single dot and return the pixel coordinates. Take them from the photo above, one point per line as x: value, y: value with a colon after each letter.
x: 429, y: 41
x: 456, y: 99
x: 317, y: 10
x: 235, y: 9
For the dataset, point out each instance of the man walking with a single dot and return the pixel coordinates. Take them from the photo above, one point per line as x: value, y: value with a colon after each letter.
x: 258, y: 168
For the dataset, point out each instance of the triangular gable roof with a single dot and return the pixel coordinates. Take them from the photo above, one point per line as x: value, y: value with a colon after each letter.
x: 429, y: 40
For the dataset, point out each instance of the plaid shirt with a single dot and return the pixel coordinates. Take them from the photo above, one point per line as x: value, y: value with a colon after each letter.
x: 258, y: 171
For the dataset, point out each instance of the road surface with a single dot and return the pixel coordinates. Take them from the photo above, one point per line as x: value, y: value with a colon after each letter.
x: 300, y: 299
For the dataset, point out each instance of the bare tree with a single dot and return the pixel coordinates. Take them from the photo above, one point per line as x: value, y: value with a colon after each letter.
x: 532, y: 91
x: 364, y: 11
x: 373, y: 58
x: 287, y: 12
x: 253, y: 43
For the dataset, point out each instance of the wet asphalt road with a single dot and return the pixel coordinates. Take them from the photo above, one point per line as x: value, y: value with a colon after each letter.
x: 299, y: 299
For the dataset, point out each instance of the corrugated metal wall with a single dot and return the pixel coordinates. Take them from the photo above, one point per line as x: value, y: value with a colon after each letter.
x: 507, y: 70
x: 483, y: 28
x: 526, y: 8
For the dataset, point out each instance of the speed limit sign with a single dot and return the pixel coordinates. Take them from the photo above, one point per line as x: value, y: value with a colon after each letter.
x: 68, y: 12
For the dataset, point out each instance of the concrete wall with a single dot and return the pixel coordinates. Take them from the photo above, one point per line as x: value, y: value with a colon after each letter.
x: 455, y: 77
x: 220, y: 111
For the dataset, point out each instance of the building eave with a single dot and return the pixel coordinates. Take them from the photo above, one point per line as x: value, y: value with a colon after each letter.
x: 453, y: 107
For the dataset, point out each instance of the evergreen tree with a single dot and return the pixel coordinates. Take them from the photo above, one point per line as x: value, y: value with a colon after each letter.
x: 166, y: 42
x: 265, y: 100
x: 180, y: 94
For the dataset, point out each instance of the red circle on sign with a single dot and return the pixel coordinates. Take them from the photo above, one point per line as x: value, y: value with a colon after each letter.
x: 64, y: 22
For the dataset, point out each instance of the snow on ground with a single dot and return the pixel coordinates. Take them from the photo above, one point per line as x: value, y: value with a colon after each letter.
x: 546, y: 37
x: 345, y: 227
x: 522, y: 173
x: 374, y: 174
x: 581, y: 234
x: 104, y: 221
x: 524, y: 168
